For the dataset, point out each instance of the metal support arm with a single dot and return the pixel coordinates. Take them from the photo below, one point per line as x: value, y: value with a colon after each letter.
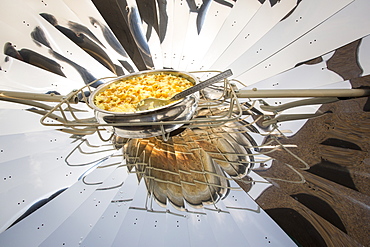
x: 73, y: 99
x: 302, y: 93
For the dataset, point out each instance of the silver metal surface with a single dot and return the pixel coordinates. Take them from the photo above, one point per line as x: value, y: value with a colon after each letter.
x: 69, y: 180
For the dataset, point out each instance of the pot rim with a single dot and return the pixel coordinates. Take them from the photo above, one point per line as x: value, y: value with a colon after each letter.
x: 103, y: 86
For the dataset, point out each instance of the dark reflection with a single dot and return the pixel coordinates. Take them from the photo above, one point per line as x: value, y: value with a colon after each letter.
x: 33, y: 58
x: 86, y: 76
x: 272, y: 2
x: 340, y: 143
x: 333, y: 172
x: 109, y: 37
x: 38, y: 60
x: 202, y: 13
x: 80, y: 29
x: 148, y: 14
x: 345, y: 61
x: 302, y: 232
x: 367, y: 105
x: 39, y: 36
x: 202, y: 10
x: 322, y: 208
x: 36, y: 206
x: 163, y: 19
x: 133, y: 20
x: 80, y: 36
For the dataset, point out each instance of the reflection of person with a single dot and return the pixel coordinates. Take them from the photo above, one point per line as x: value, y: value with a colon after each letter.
x: 33, y: 58
x: 114, y: 43
x: 272, y: 2
x: 80, y: 36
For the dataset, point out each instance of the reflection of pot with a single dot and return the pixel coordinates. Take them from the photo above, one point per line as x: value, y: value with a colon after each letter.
x: 182, y: 110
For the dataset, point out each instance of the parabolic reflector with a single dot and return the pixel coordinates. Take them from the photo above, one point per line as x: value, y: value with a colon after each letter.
x: 288, y: 167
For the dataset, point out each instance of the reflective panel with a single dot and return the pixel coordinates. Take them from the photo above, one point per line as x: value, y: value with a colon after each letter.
x: 288, y: 167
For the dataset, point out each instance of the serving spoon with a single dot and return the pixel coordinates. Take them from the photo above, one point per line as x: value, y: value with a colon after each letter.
x: 151, y: 103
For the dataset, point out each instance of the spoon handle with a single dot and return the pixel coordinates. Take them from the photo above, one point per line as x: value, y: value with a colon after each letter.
x: 202, y: 85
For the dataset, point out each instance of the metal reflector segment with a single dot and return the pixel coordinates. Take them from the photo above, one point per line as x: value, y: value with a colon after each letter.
x: 256, y: 180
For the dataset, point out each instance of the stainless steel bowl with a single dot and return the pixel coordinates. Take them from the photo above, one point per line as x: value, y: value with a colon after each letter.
x: 182, y: 110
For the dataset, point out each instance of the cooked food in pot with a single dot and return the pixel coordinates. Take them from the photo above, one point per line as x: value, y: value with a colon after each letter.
x: 124, y: 95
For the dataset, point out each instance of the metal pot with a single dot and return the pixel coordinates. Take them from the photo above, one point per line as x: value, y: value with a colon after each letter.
x: 144, y: 124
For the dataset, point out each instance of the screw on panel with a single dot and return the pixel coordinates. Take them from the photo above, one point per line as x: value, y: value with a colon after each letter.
x: 39, y: 227
x: 19, y: 203
x: 198, y: 217
x: 27, y: 24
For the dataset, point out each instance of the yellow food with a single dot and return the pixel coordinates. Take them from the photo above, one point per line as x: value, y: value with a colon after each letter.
x: 124, y: 95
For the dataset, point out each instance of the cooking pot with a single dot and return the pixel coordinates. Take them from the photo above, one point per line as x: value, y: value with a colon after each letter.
x: 137, y: 124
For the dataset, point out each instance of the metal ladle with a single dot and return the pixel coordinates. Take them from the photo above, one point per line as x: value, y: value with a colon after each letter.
x: 151, y: 103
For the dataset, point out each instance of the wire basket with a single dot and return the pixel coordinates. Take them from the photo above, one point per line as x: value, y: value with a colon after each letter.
x: 220, y: 100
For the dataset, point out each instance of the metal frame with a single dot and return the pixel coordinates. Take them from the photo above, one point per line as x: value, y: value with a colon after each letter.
x: 67, y: 116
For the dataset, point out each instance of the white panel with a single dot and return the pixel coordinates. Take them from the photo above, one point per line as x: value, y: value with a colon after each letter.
x: 20, y: 39
x: 257, y: 227
x: 106, y: 228
x: 25, y: 22
x: 301, y: 77
x: 133, y: 224
x: 176, y: 229
x: 21, y: 145
x: 156, y: 50
x: 191, y: 34
x: 33, y: 79
x: 305, y: 17
x: 155, y: 223
x: 195, y: 48
x: 239, y: 16
x: 92, y: 19
x: 29, y: 179
x: 218, y: 221
x: 85, y: 217
x: 364, y: 55
x: 39, y: 225
x: 260, y: 184
x: 166, y: 16
x: 199, y: 223
x: 180, y: 22
x: 265, y: 19
x: 20, y: 121
x: 333, y: 33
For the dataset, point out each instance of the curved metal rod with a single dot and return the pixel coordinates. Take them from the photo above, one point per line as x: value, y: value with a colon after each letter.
x: 310, y: 101
x: 37, y: 96
x: 302, y: 93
